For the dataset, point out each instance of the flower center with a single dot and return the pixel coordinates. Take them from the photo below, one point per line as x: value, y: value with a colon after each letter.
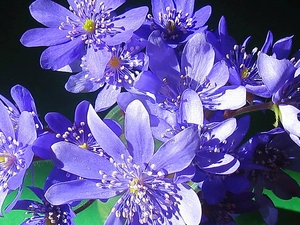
x: 6, y: 160
x: 174, y: 23
x: 270, y: 157
x: 114, y: 62
x: 89, y: 25
x: 133, y: 186
x: 84, y: 146
x: 244, y: 73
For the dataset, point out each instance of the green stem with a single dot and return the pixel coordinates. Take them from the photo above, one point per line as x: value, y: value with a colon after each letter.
x: 247, y: 109
x: 84, y: 206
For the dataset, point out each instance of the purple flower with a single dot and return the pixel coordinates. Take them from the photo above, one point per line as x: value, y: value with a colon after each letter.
x: 86, y: 29
x: 23, y: 102
x: 282, y: 80
x: 77, y: 133
x: 223, y: 213
x: 176, y: 20
x: 125, y: 63
x: 243, y: 65
x: 275, y: 152
x: 43, y: 212
x: 15, y: 152
x: 198, y: 82
x: 198, y: 71
x: 140, y: 176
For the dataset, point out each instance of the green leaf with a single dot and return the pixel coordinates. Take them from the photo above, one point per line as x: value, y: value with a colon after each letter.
x: 116, y: 114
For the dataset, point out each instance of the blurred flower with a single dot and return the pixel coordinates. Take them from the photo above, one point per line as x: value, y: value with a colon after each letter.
x: 15, y: 152
x: 23, y: 102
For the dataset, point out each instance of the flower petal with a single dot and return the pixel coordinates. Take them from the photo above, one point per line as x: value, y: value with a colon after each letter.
x: 6, y: 125
x: 138, y: 133
x: 227, y: 97
x: 57, y: 56
x: 49, y: 13
x: 182, y: 146
x: 190, y: 206
x: 44, y: 37
x: 289, y: 119
x: 62, y: 193
x: 73, y: 159
x: 107, y: 97
x: 105, y: 137
x: 26, y: 131
x: 58, y: 122
x: 274, y: 72
x: 191, y: 109
x: 96, y: 62
x: 282, y: 47
x: 202, y: 15
x: 197, y: 58
x: 81, y: 82
x: 163, y: 61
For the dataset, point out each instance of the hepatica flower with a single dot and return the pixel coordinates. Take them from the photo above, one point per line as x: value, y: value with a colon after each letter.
x: 176, y: 20
x: 15, y: 151
x: 86, y: 28
x: 77, y: 132
x: 23, y: 101
x: 125, y: 63
x: 43, y: 212
x: 142, y: 178
x: 282, y: 79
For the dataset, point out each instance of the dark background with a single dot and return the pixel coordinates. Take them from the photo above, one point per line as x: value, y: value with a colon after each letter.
x: 20, y: 65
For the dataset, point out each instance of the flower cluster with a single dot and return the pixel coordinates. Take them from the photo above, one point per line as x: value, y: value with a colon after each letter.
x: 181, y: 151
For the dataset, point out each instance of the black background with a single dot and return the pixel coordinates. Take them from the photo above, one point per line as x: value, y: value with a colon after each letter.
x: 20, y: 65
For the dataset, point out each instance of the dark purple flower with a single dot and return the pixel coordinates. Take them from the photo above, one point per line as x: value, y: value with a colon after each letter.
x: 275, y: 152
x: 43, y: 212
x: 216, y: 162
x: 243, y: 65
x: 85, y: 29
x: 140, y: 176
x: 176, y: 20
x: 77, y: 133
x: 224, y: 212
x: 15, y: 152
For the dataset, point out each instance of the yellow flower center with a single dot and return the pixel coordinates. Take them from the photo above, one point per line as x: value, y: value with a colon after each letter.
x: 6, y: 160
x: 89, y: 25
x: 84, y: 146
x: 133, y: 186
x: 245, y: 73
x: 114, y: 62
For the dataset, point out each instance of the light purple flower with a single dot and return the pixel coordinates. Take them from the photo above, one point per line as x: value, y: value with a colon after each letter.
x: 23, y: 101
x: 282, y: 80
x: 140, y: 176
x: 15, y: 152
x: 125, y: 63
x: 86, y: 29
